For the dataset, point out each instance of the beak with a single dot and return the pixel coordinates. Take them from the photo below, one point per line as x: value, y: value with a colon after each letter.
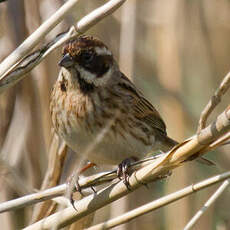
x: 66, y: 61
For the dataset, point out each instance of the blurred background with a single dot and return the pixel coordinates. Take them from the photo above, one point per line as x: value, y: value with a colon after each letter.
x: 177, y: 52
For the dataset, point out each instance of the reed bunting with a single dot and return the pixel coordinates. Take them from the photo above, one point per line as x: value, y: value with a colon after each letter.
x: 98, y: 111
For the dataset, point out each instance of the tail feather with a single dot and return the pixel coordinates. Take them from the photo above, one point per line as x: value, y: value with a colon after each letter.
x: 205, y: 161
x: 166, y: 143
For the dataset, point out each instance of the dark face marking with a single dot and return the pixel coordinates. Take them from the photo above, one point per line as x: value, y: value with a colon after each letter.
x: 63, y: 84
x: 96, y: 64
x: 63, y: 87
x: 82, y: 50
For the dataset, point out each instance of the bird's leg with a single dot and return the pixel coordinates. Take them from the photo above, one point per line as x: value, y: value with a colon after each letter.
x: 123, y: 170
x: 73, y: 184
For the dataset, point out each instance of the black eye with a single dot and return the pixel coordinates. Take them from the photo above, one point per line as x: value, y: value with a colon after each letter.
x: 87, y: 57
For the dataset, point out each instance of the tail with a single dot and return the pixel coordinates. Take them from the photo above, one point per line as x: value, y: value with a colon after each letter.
x: 168, y: 143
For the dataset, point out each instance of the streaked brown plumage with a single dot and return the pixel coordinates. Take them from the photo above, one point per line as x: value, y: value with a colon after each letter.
x: 98, y: 111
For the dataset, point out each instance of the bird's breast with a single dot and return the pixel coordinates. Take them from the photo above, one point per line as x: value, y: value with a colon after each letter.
x: 103, y: 136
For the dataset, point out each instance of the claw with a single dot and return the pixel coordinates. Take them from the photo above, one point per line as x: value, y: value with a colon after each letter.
x: 72, y: 202
x: 126, y: 181
x: 123, y: 171
x: 73, y: 184
x: 94, y: 191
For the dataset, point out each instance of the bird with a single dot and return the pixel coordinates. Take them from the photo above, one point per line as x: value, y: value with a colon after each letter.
x: 99, y: 112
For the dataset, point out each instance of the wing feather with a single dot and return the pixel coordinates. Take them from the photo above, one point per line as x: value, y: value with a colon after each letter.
x: 142, y: 108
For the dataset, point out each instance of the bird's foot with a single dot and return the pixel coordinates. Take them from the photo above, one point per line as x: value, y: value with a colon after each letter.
x: 74, y: 186
x: 123, y: 170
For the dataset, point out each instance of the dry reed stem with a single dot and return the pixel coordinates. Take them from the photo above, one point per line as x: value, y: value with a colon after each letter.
x: 214, y: 101
x: 162, y: 202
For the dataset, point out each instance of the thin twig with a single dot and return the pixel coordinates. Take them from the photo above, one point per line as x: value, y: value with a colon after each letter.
x: 90, y: 203
x: 219, y: 142
x: 210, y: 201
x: 60, y: 190
x: 35, y: 37
x: 54, y: 192
x: 214, y: 101
x: 160, y: 202
x: 32, y: 198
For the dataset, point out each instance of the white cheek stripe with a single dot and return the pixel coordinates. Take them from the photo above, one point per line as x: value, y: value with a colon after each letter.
x: 92, y: 78
x: 102, y: 51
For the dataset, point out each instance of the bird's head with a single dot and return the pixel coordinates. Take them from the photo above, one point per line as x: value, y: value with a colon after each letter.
x: 90, y: 59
